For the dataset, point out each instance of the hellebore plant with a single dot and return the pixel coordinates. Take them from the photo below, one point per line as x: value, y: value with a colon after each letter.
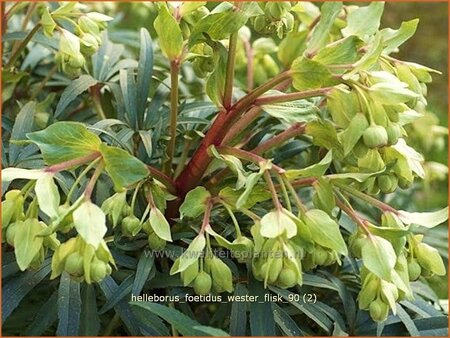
x: 272, y: 131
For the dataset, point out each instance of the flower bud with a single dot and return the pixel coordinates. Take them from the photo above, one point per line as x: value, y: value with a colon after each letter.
x: 429, y: 259
x: 88, y: 44
x: 11, y: 233
x: 414, y: 270
x: 387, y: 183
x: 372, y: 161
x: 156, y: 243
x: 190, y: 273
x: 368, y: 293
x: 131, y: 225
x: 378, y: 310
x: 276, y: 264
x: 98, y: 270
x: 74, y: 264
x: 355, y: 244
x: 88, y: 25
x: 202, y: 283
x: 243, y: 255
x: 375, y: 137
x: 287, y: 278
x: 220, y: 273
x: 394, y: 132
x: 12, y: 207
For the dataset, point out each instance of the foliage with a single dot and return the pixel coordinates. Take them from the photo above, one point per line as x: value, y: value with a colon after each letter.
x: 231, y: 151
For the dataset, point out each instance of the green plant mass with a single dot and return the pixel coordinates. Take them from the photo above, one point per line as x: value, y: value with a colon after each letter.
x: 217, y: 168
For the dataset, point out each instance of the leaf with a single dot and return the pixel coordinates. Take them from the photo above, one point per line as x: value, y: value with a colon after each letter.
x: 364, y: 21
x: 426, y: 219
x: 360, y: 177
x: 324, y: 135
x: 293, y: 45
x: 169, y: 33
x: 195, y: 202
x: 329, y: 12
x: 10, y: 174
x: 324, y: 196
x: 188, y: 7
x: 262, y: 322
x: 238, y: 316
x: 379, y: 256
x: 144, y: 267
x: 351, y: 135
x: 47, y: 195
x: 286, y: 323
x: 251, y: 182
x: 407, y: 321
x: 343, y: 51
x: 26, y: 242
x: 343, y: 106
x: 234, y: 164
x: 392, y: 39
x: 45, y: 317
x: 89, y: 319
x: 120, y: 294
x: 185, y: 325
x: 72, y: 91
x: 69, y: 306
x: 90, y: 223
x: 144, y: 73
x: 123, y: 168
x: 109, y: 288
x: 16, y: 288
x: 309, y: 74
x: 64, y: 141
x: 129, y: 95
x: 314, y: 170
x: 160, y: 225
x: 325, y: 231
x: 22, y: 125
x: 369, y: 59
x: 192, y: 253
x: 258, y: 194
x: 292, y: 112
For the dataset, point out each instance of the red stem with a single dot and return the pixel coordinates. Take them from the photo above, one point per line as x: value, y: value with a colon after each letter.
x: 90, y: 187
x: 72, y: 163
x: 163, y: 178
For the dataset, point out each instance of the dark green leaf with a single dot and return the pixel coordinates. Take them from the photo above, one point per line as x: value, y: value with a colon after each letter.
x: 238, y: 316
x: 262, y: 322
x: 72, y: 91
x: 120, y: 294
x: 89, y: 319
x: 22, y: 125
x: 69, y: 306
x: 46, y: 316
x: 144, y: 267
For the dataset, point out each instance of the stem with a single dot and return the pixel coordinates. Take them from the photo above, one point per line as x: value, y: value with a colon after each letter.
x: 183, y: 157
x: 25, y: 22
x: 285, y: 192
x: 229, y: 78
x: 174, y: 72
x: 77, y: 181
x: 292, y: 96
x: 95, y: 92
x: 369, y: 199
x: 72, y: 163
x: 346, y: 207
x: 273, y: 192
x: 135, y: 193
x: 249, y: 54
x: 297, y: 199
x: 235, y: 222
x: 293, y: 131
x: 303, y: 182
x: 248, y: 156
x: 250, y: 214
x: 163, y: 178
x: 90, y: 187
x: 206, y: 216
x: 44, y: 82
x: 242, y: 124
x: 21, y: 47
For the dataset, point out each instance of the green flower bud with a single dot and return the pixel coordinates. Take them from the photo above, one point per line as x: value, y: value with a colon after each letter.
x: 243, y: 255
x: 260, y: 23
x: 74, y: 264
x: 156, y: 243
x: 378, y: 310
x: 429, y: 259
x: 394, y: 132
x: 276, y: 264
x: 220, y: 273
x: 88, y: 25
x: 355, y: 244
x: 11, y: 233
x: 404, y: 183
x: 372, y: 161
x: 375, y: 137
x: 387, y: 183
x: 131, y: 225
x: 414, y: 270
x: 37, y: 261
x: 368, y: 293
x: 320, y: 255
x: 98, y: 270
x: 202, y: 283
x: 88, y: 44
x: 388, y: 291
x: 12, y: 207
x: 190, y: 273
x: 287, y: 278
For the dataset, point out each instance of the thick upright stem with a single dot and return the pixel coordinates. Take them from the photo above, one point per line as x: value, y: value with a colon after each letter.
x: 21, y: 47
x: 174, y: 73
x: 229, y: 79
